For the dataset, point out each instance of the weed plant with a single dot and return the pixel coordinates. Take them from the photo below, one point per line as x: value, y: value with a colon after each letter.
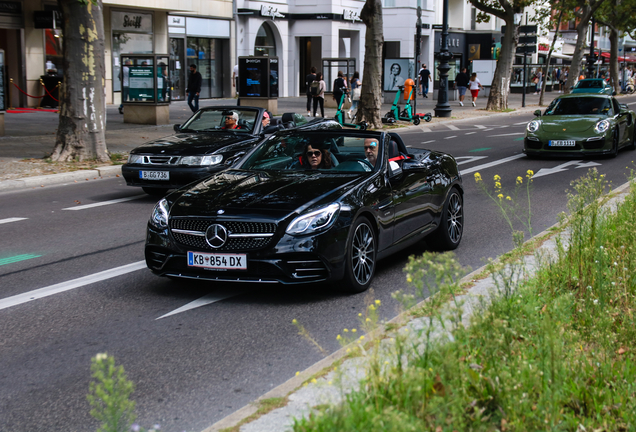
x: 554, y: 353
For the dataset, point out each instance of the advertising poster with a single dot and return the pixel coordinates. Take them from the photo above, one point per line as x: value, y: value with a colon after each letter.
x: 396, y: 71
x: 140, y: 81
x: 253, y: 77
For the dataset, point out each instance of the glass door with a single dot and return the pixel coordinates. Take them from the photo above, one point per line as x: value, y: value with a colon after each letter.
x: 178, y: 68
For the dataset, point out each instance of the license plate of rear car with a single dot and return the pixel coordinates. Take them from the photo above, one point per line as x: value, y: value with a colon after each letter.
x: 562, y: 143
x: 154, y: 175
x: 217, y: 261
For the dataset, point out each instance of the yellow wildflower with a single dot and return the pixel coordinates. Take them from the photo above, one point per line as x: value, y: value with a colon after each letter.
x: 346, y: 330
x: 530, y: 173
x: 497, y: 178
x: 409, y: 279
x: 477, y: 177
x: 360, y: 314
x: 378, y: 302
x: 338, y: 337
x: 354, y: 331
x: 313, y: 381
x: 500, y: 196
x: 519, y: 180
x: 361, y: 337
x: 297, y: 373
x: 368, y: 320
x: 508, y: 198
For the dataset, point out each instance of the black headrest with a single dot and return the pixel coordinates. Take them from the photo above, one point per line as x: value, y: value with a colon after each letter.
x: 288, y: 117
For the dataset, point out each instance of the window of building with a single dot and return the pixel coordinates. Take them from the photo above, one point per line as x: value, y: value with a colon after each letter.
x: 207, y: 55
x: 265, y: 44
x: 132, y: 34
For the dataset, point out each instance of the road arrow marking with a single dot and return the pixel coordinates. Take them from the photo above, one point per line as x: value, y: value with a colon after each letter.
x: 69, y: 285
x: 491, y: 164
x: 480, y: 127
x: 452, y: 127
x: 468, y: 159
x: 2, y: 221
x: 452, y: 136
x: 563, y: 167
x: 205, y: 300
x: 425, y: 129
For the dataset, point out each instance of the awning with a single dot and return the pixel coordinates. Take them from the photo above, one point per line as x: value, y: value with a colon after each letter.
x: 607, y: 55
x: 561, y: 56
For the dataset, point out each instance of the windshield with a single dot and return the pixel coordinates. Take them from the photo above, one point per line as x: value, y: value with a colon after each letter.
x: 580, y: 106
x: 235, y: 119
x: 315, y: 151
x: 590, y: 84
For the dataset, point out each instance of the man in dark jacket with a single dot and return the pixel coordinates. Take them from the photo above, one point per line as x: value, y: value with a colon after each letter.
x: 461, y: 84
x: 338, y: 85
x: 308, y: 80
x: 194, y: 88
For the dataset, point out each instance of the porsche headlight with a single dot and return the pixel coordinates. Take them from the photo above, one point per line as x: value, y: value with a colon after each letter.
x: 135, y: 159
x: 159, y: 216
x: 533, y: 126
x: 201, y: 160
x: 602, y: 126
x: 315, y: 221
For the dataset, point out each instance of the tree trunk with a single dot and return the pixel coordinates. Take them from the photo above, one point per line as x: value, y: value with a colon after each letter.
x: 547, y: 62
x: 614, y: 59
x: 371, y: 95
x: 581, y: 34
x: 80, y: 134
x: 500, y: 89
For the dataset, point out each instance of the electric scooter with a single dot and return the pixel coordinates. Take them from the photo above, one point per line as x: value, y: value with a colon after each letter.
x: 340, y: 116
x: 407, y: 113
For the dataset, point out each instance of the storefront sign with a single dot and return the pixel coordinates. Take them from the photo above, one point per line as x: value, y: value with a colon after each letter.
x: 176, y: 21
x: 47, y: 20
x: 131, y: 21
x: 270, y: 11
x: 351, y: 15
x: 10, y: 7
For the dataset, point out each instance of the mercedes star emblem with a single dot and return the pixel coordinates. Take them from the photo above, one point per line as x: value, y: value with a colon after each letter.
x: 216, y: 235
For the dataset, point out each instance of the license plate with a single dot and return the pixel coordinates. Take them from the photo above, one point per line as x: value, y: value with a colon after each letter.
x: 562, y: 143
x: 217, y: 261
x: 154, y: 175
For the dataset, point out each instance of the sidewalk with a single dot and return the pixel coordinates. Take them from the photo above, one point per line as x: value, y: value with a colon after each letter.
x: 30, y: 137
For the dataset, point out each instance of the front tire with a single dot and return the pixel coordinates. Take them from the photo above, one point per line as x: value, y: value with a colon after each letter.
x: 361, y: 255
x: 451, y: 228
x: 416, y: 121
x: 614, y: 151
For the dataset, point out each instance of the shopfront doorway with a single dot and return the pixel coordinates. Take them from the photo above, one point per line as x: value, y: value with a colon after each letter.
x: 310, y: 55
x: 10, y: 42
x: 178, y: 68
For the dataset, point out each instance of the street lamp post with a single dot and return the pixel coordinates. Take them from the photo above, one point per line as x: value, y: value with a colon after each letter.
x: 591, y: 59
x: 443, y: 109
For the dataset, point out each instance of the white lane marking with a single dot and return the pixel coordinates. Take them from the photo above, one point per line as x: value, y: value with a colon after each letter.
x: 521, y: 123
x: 491, y: 164
x: 452, y: 127
x: 470, y: 133
x: 427, y: 142
x: 460, y: 159
x: 563, y: 167
x: 2, y: 221
x: 69, y: 285
x: 452, y: 136
x: 489, y: 129
x: 205, y: 300
x: 508, y: 134
x: 103, y: 203
x: 480, y: 127
x: 425, y: 129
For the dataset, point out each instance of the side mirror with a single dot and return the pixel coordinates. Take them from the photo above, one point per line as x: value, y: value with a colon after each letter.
x: 624, y: 106
x: 537, y: 113
x: 413, y: 165
x: 177, y: 128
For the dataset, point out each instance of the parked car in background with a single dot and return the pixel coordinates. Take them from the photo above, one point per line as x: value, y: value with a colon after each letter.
x: 593, y: 85
x: 308, y: 206
x: 211, y: 140
x: 581, y: 124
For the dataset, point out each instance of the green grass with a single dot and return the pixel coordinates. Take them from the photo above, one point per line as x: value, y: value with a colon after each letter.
x: 553, y: 353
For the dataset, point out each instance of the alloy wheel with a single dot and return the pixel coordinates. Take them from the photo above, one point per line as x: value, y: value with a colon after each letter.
x: 363, y: 254
x: 455, y: 218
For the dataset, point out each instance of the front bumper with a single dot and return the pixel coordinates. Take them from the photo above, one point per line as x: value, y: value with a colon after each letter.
x: 179, y: 176
x: 592, y: 146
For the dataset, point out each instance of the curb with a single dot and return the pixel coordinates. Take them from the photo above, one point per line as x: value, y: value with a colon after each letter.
x: 295, y: 383
x: 61, y: 178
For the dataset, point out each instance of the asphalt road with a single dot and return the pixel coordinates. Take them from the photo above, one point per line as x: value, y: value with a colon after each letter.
x: 236, y: 342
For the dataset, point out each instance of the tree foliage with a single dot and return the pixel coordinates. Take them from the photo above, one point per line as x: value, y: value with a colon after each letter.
x: 371, y: 94
x: 618, y: 16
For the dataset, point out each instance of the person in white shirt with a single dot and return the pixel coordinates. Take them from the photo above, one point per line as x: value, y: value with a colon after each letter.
x: 475, y: 86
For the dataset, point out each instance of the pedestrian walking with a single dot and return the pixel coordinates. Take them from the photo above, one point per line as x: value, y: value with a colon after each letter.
x: 311, y: 77
x: 461, y: 84
x: 194, y: 88
x: 235, y: 83
x: 355, y: 93
x: 319, y: 98
x: 475, y: 86
x: 339, y: 87
x: 425, y: 77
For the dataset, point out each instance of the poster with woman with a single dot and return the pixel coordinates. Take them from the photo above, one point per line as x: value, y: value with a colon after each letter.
x: 396, y: 71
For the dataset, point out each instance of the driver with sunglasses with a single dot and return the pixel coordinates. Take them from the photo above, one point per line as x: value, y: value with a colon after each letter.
x: 231, y: 120
x: 316, y: 158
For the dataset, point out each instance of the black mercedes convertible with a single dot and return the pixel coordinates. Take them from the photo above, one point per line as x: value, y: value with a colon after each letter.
x: 308, y: 206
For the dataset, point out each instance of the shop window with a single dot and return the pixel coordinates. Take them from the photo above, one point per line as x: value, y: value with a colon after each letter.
x: 53, y: 47
x: 265, y: 44
x: 128, y: 43
x: 207, y: 55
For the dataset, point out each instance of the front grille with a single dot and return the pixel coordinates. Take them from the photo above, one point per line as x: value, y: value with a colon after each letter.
x: 531, y: 144
x: 161, y: 160
x: 234, y: 228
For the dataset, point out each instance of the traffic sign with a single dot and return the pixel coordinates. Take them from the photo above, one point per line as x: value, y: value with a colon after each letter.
x: 528, y: 49
x: 527, y: 40
x: 528, y: 29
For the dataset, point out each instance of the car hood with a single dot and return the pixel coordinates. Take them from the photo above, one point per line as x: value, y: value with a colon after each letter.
x: 271, y: 193
x: 589, y: 90
x: 569, y: 123
x: 185, y: 144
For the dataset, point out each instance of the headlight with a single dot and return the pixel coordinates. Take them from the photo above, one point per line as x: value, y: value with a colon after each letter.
x: 201, y: 160
x: 159, y: 216
x: 602, y: 126
x: 315, y: 221
x: 533, y: 126
x: 135, y: 159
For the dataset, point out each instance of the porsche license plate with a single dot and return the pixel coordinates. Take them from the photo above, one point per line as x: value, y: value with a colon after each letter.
x: 217, y: 261
x: 154, y: 175
x: 562, y: 143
